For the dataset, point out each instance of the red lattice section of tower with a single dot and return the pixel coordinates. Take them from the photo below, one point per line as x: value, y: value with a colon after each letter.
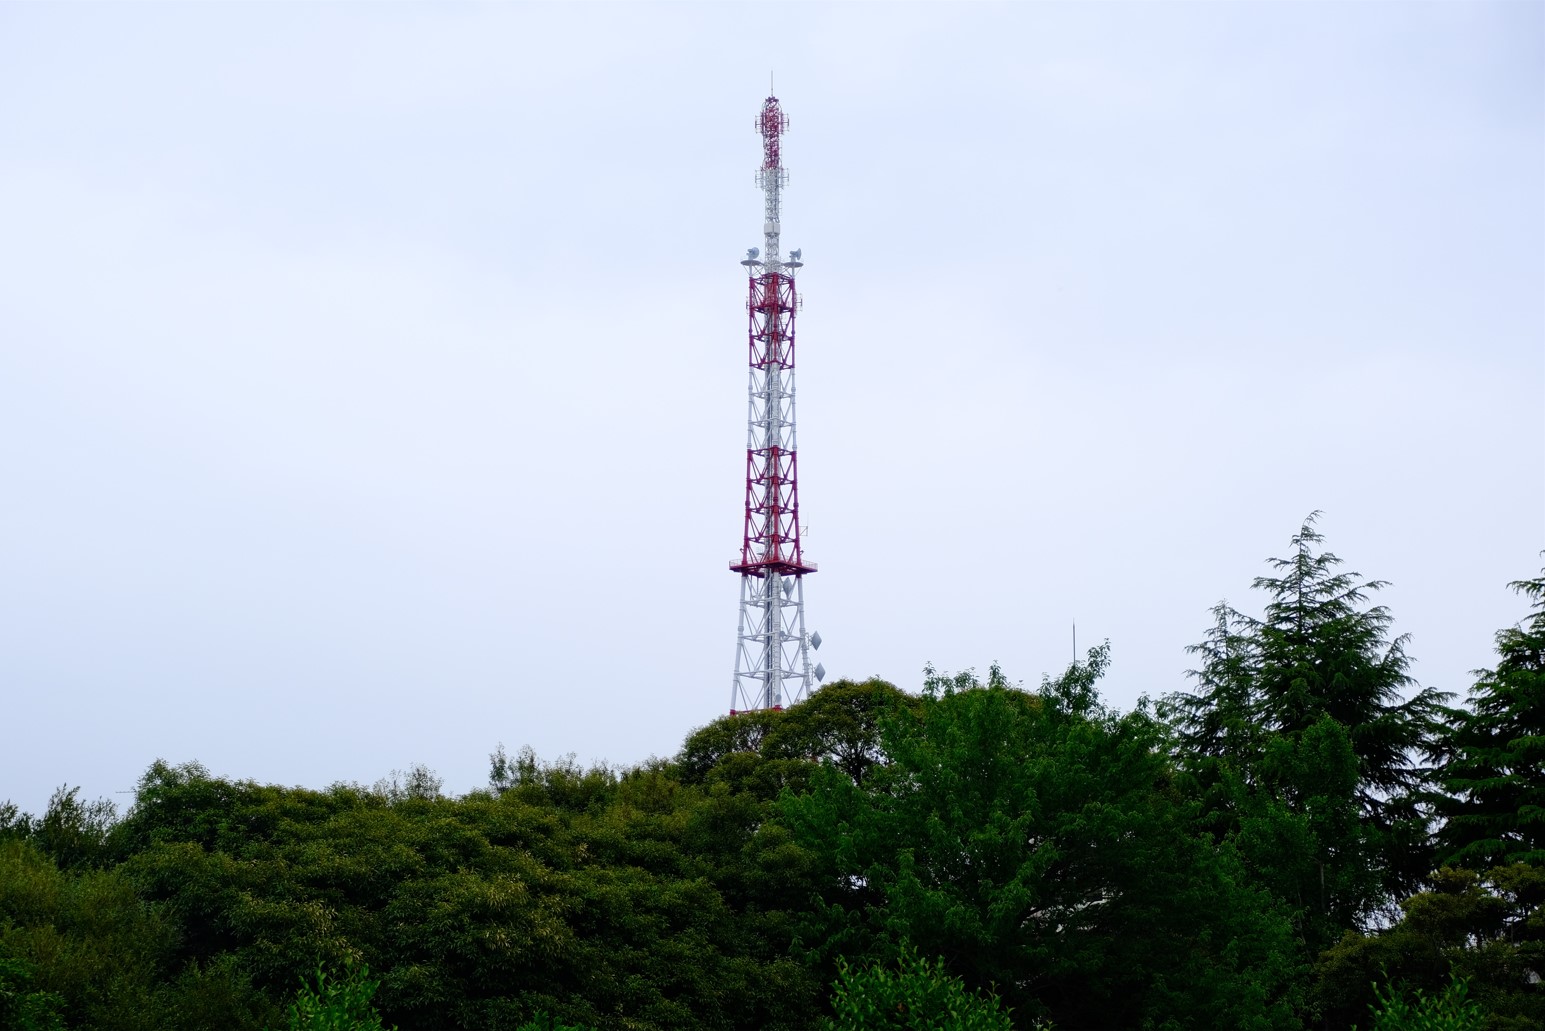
x: 772, y: 123
x: 771, y: 542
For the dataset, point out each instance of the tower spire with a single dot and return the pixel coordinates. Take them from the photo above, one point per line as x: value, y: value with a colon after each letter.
x: 772, y: 655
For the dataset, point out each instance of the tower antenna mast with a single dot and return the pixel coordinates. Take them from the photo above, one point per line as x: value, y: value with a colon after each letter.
x: 772, y: 653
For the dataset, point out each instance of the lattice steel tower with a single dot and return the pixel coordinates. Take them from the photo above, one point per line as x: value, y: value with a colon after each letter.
x: 772, y: 650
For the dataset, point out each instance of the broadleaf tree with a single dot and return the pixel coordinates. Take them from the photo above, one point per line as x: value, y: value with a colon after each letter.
x: 1035, y: 841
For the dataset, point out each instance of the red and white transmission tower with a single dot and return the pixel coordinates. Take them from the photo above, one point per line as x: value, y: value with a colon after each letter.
x: 772, y: 654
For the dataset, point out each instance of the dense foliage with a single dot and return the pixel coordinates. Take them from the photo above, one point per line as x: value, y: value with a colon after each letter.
x: 1495, y: 769
x: 1040, y: 843
x: 918, y: 995
x: 1264, y: 850
x: 1305, y: 733
x: 336, y: 1003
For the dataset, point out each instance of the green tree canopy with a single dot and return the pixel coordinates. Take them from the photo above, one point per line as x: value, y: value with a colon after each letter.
x: 1486, y: 929
x: 916, y: 995
x: 1317, y: 650
x: 1036, y: 842
x: 1272, y: 694
x: 1494, y: 773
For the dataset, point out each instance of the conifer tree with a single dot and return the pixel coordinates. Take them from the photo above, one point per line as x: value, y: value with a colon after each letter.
x: 1317, y: 652
x: 1494, y: 774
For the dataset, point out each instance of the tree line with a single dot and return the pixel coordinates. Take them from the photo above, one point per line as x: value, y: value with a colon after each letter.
x: 1302, y: 838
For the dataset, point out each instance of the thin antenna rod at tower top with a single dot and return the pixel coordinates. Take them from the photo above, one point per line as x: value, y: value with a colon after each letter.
x: 771, y: 89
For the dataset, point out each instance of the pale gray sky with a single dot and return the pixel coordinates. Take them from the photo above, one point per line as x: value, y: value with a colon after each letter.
x: 372, y: 383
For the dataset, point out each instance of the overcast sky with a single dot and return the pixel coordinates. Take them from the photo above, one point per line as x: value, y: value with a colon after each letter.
x: 372, y: 377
